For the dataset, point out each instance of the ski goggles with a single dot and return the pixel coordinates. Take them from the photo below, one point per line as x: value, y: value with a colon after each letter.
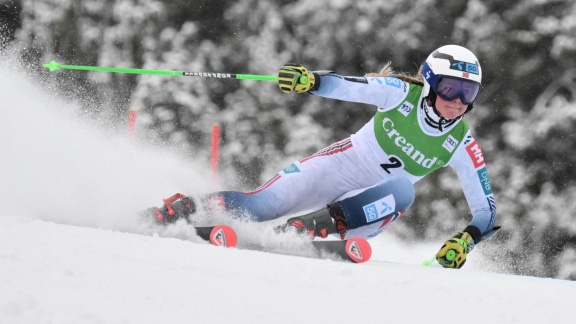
x: 450, y: 88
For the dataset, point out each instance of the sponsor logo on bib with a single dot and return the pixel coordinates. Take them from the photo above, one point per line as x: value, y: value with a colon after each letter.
x: 406, y: 108
x: 406, y: 147
x: 450, y: 144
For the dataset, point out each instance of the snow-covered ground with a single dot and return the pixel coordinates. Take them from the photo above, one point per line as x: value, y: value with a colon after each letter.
x: 54, y: 273
x: 73, y: 251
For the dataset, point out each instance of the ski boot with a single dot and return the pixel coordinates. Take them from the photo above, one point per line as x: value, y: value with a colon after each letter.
x: 176, y: 207
x: 320, y: 223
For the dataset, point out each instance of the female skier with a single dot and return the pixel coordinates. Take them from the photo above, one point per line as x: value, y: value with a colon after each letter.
x: 359, y: 185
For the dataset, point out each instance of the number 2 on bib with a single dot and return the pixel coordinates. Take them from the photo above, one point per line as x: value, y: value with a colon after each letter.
x: 394, y: 163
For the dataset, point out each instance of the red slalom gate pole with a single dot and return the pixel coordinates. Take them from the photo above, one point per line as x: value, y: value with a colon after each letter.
x: 131, y: 122
x: 215, y: 152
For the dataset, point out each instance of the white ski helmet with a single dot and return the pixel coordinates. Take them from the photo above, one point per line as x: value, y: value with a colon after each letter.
x: 452, y: 72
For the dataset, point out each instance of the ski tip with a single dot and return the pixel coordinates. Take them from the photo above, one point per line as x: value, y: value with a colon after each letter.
x: 223, y: 235
x: 358, y: 249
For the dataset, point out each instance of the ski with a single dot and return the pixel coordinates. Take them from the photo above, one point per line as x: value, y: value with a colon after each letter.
x: 356, y: 250
x: 218, y: 235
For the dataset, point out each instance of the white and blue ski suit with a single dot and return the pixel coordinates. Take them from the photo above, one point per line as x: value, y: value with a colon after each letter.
x: 372, y: 172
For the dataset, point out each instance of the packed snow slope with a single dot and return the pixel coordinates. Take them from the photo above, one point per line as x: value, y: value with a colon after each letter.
x: 55, y: 273
x: 73, y: 250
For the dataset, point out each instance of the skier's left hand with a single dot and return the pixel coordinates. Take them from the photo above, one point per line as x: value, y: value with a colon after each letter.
x: 453, y: 253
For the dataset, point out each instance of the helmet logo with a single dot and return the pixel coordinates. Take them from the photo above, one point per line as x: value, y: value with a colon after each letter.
x: 457, y: 65
x: 469, y: 67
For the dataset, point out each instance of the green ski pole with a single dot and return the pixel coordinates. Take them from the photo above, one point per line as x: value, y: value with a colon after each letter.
x: 53, y: 66
x: 428, y: 263
x: 450, y: 256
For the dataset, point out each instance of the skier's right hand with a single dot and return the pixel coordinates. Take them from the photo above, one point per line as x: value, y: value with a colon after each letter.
x: 295, y: 77
x: 454, y: 251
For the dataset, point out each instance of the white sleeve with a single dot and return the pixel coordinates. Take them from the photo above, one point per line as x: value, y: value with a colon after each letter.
x: 384, y: 92
x: 468, y: 162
